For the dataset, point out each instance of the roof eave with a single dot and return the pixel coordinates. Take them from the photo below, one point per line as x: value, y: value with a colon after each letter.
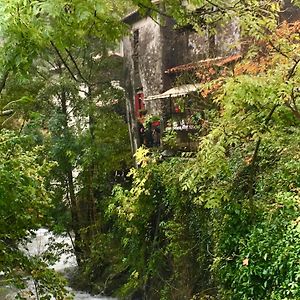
x: 176, y: 92
x: 132, y: 17
x: 217, y: 61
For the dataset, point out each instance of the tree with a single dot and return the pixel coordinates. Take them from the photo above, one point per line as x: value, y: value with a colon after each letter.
x: 252, y: 15
x: 24, y: 203
x: 234, y: 204
x: 57, y: 74
x: 229, y: 210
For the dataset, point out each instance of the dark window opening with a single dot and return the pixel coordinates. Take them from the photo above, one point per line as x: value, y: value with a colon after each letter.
x: 136, y: 50
x: 211, y: 43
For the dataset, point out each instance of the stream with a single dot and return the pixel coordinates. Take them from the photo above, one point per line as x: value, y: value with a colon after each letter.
x: 66, y: 264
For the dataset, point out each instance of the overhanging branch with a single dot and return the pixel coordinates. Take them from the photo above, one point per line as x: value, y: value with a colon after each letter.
x: 76, y: 66
x: 63, y: 61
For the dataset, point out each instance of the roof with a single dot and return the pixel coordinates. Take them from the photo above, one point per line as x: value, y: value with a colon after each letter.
x: 217, y: 61
x: 177, y: 91
x: 135, y: 16
x: 132, y: 17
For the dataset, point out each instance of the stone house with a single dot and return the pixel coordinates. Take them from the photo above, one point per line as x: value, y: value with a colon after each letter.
x: 152, y: 49
x: 156, y: 54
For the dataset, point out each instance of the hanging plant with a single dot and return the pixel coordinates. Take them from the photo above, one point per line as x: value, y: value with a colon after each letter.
x: 152, y: 119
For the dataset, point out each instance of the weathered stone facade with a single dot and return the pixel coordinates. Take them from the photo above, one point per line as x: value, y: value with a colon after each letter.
x: 154, y: 46
x: 151, y: 49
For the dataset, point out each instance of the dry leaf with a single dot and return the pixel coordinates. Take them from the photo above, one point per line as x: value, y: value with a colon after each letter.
x: 246, y: 262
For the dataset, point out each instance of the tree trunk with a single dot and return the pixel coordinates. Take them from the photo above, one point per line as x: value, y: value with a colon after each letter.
x: 70, y: 185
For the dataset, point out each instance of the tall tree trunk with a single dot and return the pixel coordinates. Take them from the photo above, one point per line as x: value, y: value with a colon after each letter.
x: 70, y: 184
x: 91, y: 169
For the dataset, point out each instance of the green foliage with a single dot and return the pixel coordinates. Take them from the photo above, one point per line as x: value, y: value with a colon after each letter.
x: 159, y: 227
x: 57, y: 72
x: 232, y: 210
x: 271, y: 250
x: 222, y: 223
x: 24, y: 205
x: 257, y: 260
x: 24, y: 198
x: 204, y: 14
x: 169, y: 139
x: 28, y: 27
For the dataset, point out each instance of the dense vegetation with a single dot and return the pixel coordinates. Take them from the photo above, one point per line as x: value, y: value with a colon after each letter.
x: 221, y: 223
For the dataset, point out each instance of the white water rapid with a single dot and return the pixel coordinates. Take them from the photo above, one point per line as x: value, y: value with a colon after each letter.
x: 66, y: 263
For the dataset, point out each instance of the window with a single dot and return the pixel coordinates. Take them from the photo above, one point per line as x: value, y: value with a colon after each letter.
x: 136, y: 50
x: 139, y: 104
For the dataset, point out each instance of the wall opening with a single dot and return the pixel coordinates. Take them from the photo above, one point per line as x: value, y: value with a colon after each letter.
x: 136, y: 37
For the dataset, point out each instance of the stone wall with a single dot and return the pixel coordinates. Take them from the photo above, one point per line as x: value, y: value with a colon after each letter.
x: 151, y: 48
x: 143, y: 57
x: 226, y: 39
x: 160, y: 47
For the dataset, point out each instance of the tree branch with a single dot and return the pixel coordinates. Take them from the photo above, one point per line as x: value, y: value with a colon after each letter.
x: 76, y: 66
x: 293, y: 108
x: 9, y: 118
x: 153, y: 8
x: 295, y: 112
x: 278, y: 49
x: 291, y: 72
x: 3, y: 80
x: 5, y: 113
x: 64, y: 61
